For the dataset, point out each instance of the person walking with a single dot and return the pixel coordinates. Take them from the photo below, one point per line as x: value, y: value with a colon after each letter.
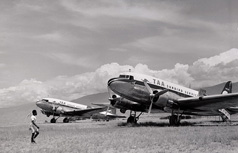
x: 34, y: 128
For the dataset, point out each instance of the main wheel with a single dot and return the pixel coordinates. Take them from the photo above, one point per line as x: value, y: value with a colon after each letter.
x: 53, y: 120
x: 174, y: 120
x: 132, y: 120
x: 66, y: 120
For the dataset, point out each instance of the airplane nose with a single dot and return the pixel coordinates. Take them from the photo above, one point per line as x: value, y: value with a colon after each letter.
x: 39, y: 104
x: 110, y: 81
x: 113, y: 83
x: 120, y: 86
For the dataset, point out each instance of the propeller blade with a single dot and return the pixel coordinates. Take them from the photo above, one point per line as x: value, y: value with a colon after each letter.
x: 109, y: 92
x: 156, y: 96
x: 151, y: 95
x: 148, y: 87
x: 150, y: 107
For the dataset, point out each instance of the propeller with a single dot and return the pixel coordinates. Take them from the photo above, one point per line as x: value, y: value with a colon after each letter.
x: 153, y: 97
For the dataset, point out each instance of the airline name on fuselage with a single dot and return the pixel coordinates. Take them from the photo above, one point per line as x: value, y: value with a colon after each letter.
x: 64, y: 103
x: 172, y: 87
x: 159, y: 82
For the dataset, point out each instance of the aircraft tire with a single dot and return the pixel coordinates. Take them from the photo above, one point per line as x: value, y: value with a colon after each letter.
x: 131, y: 120
x: 174, y: 121
x: 66, y: 120
x: 53, y: 120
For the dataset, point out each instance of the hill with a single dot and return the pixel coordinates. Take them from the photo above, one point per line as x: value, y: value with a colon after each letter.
x: 94, y: 98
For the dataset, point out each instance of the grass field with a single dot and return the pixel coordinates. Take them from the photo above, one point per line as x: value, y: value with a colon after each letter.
x: 150, y: 135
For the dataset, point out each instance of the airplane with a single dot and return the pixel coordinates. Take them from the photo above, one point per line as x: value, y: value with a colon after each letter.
x: 143, y: 93
x: 62, y: 108
x: 104, y: 116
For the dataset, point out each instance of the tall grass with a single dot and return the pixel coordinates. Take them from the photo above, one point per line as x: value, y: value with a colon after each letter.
x: 115, y: 136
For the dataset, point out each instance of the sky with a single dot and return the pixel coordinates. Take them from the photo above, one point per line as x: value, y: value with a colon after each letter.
x: 70, y: 48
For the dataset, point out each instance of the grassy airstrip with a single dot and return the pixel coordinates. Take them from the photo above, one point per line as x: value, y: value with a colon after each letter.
x: 150, y: 135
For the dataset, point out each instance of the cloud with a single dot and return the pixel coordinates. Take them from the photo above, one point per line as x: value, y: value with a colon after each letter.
x: 223, y: 58
x: 203, y: 72
x: 27, y: 91
x: 120, y: 9
x: 63, y: 87
x: 70, y: 59
x: 216, y: 69
x: 2, y: 65
x: 55, y: 36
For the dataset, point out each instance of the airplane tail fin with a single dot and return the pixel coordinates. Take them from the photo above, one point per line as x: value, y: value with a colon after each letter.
x: 202, y: 92
x: 227, y: 88
x: 113, y: 110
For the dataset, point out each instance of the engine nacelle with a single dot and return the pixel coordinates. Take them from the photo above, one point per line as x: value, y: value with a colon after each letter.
x: 167, y: 100
x: 46, y: 113
x: 59, y: 110
x: 125, y: 104
x: 162, y: 100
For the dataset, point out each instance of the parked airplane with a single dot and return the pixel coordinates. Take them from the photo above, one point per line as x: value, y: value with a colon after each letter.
x: 103, y: 116
x: 61, y: 108
x: 142, y: 93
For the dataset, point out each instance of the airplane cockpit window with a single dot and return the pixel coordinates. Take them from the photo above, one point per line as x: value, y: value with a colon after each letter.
x: 121, y: 76
x: 130, y: 77
x: 45, y: 100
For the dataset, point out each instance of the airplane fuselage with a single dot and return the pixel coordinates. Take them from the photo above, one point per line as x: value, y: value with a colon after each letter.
x: 57, y: 107
x: 131, y: 87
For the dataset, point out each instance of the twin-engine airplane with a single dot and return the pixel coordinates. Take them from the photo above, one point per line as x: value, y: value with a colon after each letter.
x: 142, y: 93
x: 61, y: 108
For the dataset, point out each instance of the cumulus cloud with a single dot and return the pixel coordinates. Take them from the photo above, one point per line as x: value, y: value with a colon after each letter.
x: 27, y: 91
x: 63, y: 87
x: 216, y: 69
x: 203, y: 72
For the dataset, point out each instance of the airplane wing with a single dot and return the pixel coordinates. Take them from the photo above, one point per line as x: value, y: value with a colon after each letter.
x: 116, y: 116
x: 85, y: 112
x: 102, y: 104
x: 232, y: 110
x: 208, y: 103
x: 112, y: 115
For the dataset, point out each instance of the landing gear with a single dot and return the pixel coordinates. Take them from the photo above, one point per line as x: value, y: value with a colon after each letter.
x: 132, y: 119
x: 66, y: 120
x: 53, y: 120
x: 174, y: 120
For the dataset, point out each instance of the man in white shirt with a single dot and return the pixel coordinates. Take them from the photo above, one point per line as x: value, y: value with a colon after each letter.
x: 34, y: 128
